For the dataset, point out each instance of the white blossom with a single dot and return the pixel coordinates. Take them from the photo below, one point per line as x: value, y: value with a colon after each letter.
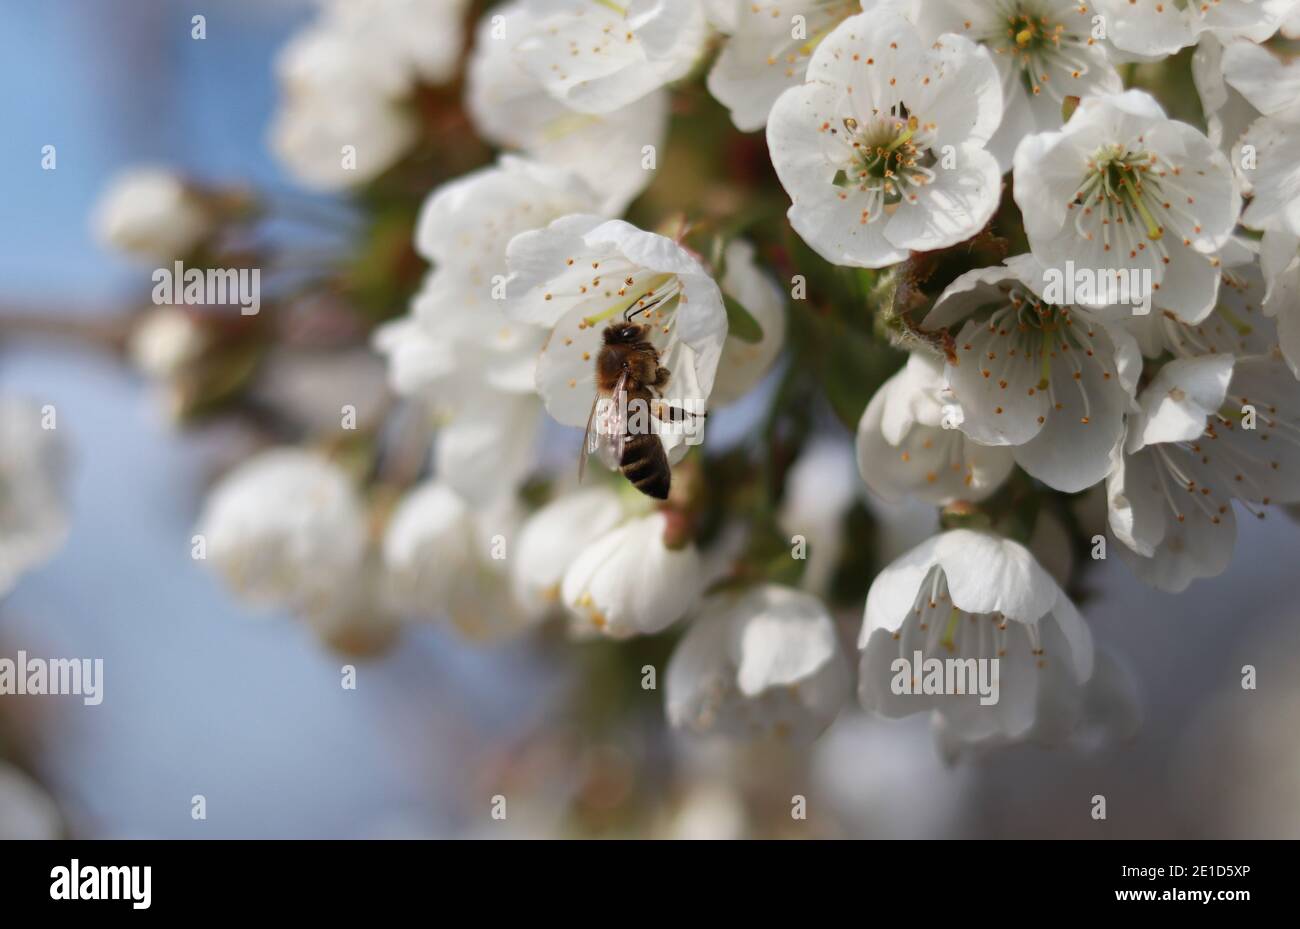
x: 314, y: 136
x: 767, y: 51
x: 485, y: 443
x: 345, y: 79
x: 599, y: 56
x: 972, y: 595
x: 882, y: 151
x: 1190, y: 453
x: 909, y: 443
x: 458, y: 322
x: 1044, y: 51
x: 33, y: 503
x: 151, y: 214
x: 1280, y: 263
x: 165, y: 341
x: 420, y: 40
x: 1263, y: 155
x: 1238, y: 325
x: 1122, y: 187
x: 1051, y: 380
x: 465, y: 225
x: 512, y: 108
x: 553, y: 537
x: 1106, y: 710
x: 457, y: 349
x: 1148, y: 29
x: 1291, y: 23
x: 285, y: 528
x: 1274, y: 182
x: 1227, y: 112
x: 1151, y: 29
x: 762, y: 662
x: 1269, y: 82
x: 447, y: 558
x: 1256, y: 20
x: 337, y: 96
x: 359, y: 619
x: 581, y: 274
x: 629, y: 582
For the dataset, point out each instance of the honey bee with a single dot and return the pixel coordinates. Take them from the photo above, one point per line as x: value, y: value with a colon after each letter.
x: 630, y: 377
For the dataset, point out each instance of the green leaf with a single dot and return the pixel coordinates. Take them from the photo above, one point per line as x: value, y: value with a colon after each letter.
x: 741, y: 322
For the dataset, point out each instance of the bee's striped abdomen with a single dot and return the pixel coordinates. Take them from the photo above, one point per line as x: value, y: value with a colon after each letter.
x: 645, y: 464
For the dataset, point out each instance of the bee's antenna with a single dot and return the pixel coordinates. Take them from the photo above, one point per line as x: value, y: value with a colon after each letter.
x: 649, y: 306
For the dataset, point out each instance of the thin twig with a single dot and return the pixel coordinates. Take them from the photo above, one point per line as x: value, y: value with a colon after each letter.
x: 105, y: 331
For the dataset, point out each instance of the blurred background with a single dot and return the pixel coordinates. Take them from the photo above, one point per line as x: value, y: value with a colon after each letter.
x: 203, y: 699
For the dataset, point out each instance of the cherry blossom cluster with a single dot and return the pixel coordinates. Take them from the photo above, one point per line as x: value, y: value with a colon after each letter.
x: 1090, y: 297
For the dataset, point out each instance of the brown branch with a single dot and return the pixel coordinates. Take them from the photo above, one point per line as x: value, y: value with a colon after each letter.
x: 105, y: 331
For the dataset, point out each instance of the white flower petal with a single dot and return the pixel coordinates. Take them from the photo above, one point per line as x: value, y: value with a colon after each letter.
x: 511, y: 108
x: 763, y: 662
x: 903, y: 450
x: 285, y: 528
x: 553, y: 538
x: 150, y: 213
x: 33, y: 504
x: 628, y: 582
x: 1275, y: 182
x: 599, y: 57
x: 764, y: 54
x: 1184, y: 394
x: 1145, y: 506
x: 1036, y: 655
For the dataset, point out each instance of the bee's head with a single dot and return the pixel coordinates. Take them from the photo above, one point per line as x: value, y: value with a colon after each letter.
x: 623, y: 333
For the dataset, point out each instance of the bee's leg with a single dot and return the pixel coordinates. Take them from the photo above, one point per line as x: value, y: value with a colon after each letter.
x: 662, y: 376
x: 663, y: 410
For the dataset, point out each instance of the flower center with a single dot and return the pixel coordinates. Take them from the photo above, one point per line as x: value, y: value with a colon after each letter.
x: 887, y: 161
x: 1038, y: 45
x: 1135, y: 196
x: 1032, y: 36
x: 644, y: 295
x: 1027, y: 331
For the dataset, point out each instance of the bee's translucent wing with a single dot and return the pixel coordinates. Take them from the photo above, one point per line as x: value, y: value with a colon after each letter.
x: 587, y: 438
x: 607, y: 438
x: 615, y: 433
